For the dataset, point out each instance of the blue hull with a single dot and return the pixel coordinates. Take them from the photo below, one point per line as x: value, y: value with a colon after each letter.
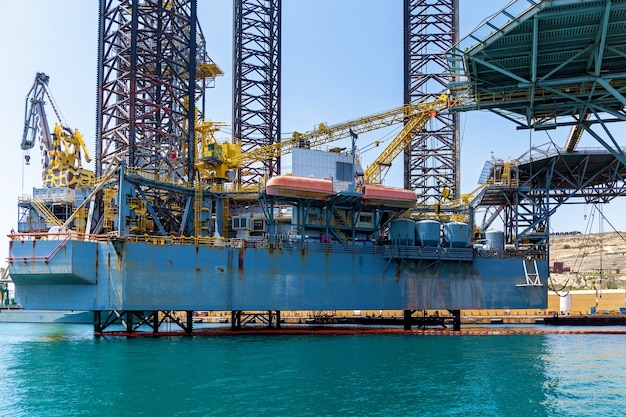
x: 46, y: 316
x: 127, y: 275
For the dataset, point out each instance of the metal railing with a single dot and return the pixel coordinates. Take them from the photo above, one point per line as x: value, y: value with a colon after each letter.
x: 66, y: 238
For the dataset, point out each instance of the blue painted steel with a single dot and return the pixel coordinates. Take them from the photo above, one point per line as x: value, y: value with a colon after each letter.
x: 126, y: 275
x: 55, y: 261
x: 402, y: 232
x: 428, y: 232
x: 455, y: 234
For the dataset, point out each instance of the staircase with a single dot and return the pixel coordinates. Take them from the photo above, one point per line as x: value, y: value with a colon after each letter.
x: 45, y: 212
x: 344, y: 221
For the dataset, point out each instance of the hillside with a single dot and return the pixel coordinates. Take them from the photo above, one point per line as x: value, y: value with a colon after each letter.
x: 586, y: 256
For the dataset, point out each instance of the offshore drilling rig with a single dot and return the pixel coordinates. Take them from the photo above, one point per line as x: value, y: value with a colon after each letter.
x: 175, y: 222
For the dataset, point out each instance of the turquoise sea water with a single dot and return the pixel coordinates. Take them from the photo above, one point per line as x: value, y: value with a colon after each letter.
x: 62, y: 370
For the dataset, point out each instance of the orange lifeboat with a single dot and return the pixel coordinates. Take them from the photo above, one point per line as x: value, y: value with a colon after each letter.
x: 379, y: 195
x: 300, y: 187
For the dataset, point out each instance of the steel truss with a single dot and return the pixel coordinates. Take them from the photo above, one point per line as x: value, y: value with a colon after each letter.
x: 551, y: 186
x: 161, y: 321
x: 134, y: 321
x: 240, y: 318
x: 130, y: 210
x: 152, y: 71
x: 570, y: 73
x: 256, y: 83
x: 541, y: 184
x: 432, y: 162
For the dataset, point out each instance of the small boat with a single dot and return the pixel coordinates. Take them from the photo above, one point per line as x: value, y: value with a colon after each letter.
x: 300, y: 187
x: 378, y: 195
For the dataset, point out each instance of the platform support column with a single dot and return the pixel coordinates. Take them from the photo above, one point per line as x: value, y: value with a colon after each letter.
x: 153, y: 321
x: 235, y: 319
x: 456, y: 320
x: 97, y: 322
x: 189, y: 325
x: 273, y: 319
x: 128, y: 323
x: 407, y: 319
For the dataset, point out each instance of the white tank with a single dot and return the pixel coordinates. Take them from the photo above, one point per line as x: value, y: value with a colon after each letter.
x: 494, y: 239
x: 456, y: 234
x: 428, y: 232
x: 565, y: 304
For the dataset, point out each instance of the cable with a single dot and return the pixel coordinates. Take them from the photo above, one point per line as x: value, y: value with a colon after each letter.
x: 566, y: 284
x: 612, y: 227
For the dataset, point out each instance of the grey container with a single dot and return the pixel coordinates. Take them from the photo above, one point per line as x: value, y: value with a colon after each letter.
x: 428, y: 232
x: 456, y: 234
x: 402, y: 232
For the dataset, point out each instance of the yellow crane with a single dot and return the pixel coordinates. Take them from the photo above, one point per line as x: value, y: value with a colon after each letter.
x: 374, y: 172
x: 61, y: 148
x: 216, y: 159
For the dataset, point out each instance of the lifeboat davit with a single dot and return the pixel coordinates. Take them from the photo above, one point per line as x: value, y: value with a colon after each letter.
x: 300, y: 187
x: 379, y: 195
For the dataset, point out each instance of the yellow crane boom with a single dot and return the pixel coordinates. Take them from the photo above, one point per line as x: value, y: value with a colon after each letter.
x: 327, y: 134
x: 62, y: 149
x: 218, y: 158
x: 424, y: 111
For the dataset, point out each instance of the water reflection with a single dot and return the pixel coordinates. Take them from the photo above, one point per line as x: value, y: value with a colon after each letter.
x: 51, y: 371
x: 586, y: 374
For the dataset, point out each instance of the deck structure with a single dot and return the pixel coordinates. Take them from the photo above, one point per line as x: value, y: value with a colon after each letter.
x: 548, y: 64
x: 159, y: 243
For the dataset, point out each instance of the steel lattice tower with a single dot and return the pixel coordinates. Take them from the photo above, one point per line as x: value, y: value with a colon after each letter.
x: 432, y: 162
x: 147, y: 93
x: 256, y: 82
x: 152, y: 72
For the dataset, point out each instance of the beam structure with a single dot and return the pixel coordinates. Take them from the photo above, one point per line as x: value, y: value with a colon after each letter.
x: 149, y: 83
x: 432, y: 161
x: 131, y: 322
x: 547, y: 64
x: 256, y: 83
x: 524, y: 194
x: 544, y: 65
x: 270, y: 319
x: 153, y: 70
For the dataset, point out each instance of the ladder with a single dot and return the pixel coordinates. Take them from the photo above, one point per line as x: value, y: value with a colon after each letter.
x: 140, y: 208
x: 531, y: 273
x: 225, y: 217
x: 109, y: 209
x: 197, y: 208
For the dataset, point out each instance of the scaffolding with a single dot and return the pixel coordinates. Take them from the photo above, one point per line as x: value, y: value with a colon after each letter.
x: 432, y: 162
x: 152, y: 74
x: 256, y: 83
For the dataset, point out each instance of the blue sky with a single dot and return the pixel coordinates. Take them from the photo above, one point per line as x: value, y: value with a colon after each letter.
x: 341, y: 59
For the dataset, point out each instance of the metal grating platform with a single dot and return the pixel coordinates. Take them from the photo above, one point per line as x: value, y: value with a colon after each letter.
x: 544, y: 64
x: 594, y: 174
